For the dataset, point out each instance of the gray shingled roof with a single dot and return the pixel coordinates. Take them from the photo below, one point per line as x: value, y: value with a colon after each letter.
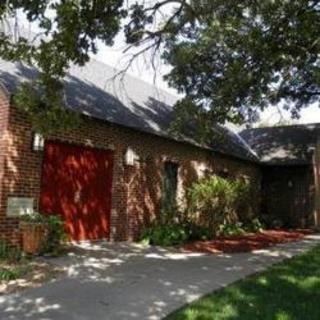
x: 93, y: 91
x: 285, y: 145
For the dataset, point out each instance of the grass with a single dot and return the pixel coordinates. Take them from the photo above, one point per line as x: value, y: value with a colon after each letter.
x: 287, y: 291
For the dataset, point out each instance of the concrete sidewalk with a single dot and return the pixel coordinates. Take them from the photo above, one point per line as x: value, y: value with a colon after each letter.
x: 127, y: 281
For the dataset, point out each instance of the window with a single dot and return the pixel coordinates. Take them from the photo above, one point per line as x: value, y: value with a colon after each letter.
x: 170, y: 185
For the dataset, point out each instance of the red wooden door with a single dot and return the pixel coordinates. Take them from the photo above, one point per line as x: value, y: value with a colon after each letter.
x: 76, y: 183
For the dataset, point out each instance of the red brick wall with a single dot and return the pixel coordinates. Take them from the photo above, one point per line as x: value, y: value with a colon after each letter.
x: 136, y: 190
x: 4, y: 115
x: 8, y: 226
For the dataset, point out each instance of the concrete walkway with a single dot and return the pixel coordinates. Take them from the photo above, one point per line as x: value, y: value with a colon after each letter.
x: 126, y: 281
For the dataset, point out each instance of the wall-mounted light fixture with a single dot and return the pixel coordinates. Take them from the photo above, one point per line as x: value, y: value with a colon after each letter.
x: 130, y: 157
x: 37, y: 142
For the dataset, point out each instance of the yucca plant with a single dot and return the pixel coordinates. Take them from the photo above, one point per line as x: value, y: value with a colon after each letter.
x: 216, y: 199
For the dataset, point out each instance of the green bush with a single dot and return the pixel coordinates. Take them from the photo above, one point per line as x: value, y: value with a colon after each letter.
x: 56, y: 235
x: 34, y: 218
x: 174, y: 234
x: 216, y: 200
x: 4, y: 249
x: 197, y: 232
x: 8, y: 252
x: 7, y: 274
x: 212, y: 209
x: 165, y: 235
x: 231, y: 229
x: 254, y: 226
x: 239, y: 228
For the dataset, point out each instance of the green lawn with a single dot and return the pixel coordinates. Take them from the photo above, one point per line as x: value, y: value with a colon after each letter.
x: 287, y: 291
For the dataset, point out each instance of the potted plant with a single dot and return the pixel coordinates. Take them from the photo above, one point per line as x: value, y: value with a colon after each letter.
x: 34, y: 233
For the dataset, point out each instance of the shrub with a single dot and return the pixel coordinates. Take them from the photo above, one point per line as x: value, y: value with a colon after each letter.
x: 216, y: 200
x: 56, y: 235
x: 197, y: 232
x: 231, y: 229
x: 165, y: 235
x: 7, y: 274
x: 174, y: 234
x: 8, y: 252
x: 254, y: 226
x: 33, y: 218
x: 212, y: 207
x: 4, y: 249
x: 239, y: 228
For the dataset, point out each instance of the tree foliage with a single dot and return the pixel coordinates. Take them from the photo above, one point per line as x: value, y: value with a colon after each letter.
x: 69, y: 31
x: 231, y: 59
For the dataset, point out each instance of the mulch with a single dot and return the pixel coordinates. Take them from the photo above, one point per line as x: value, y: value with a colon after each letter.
x: 247, y: 242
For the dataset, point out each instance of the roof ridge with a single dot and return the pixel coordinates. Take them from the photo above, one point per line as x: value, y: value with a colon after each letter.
x: 298, y: 125
x: 248, y: 146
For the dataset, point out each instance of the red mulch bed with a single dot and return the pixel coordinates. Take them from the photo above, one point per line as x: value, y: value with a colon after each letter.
x: 248, y: 242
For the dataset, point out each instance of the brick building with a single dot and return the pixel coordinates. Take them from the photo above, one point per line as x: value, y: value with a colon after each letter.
x: 289, y: 158
x: 109, y: 177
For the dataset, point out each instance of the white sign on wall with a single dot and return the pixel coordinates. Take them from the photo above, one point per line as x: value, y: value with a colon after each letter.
x: 17, y: 206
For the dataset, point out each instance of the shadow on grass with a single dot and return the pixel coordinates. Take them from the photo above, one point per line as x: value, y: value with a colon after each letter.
x: 287, y: 291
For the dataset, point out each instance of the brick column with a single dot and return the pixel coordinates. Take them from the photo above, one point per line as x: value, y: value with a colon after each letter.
x: 9, y: 229
x: 316, y: 170
x: 4, y: 122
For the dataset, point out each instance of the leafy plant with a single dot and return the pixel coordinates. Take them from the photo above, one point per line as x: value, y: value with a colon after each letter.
x: 9, y: 252
x: 254, y: 226
x: 232, y: 229
x: 197, y: 232
x: 239, y: 228
x: 4, y: 249
x: 165, y: 235
x: 35, y: 218
x: 215, y: 201
x: 175, y: 233
x: 56, y: 234
x: 12, y: 273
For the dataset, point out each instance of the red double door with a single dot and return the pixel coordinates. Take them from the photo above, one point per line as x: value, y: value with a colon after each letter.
x: 76, y: 184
